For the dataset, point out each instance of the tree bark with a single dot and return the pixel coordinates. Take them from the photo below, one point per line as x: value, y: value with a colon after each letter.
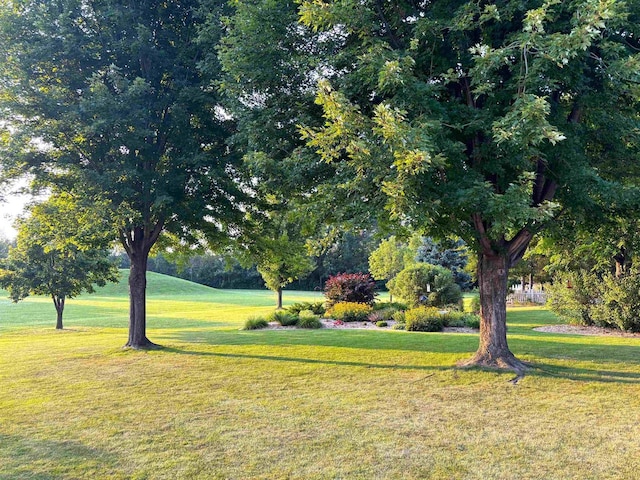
x: 493, y: 351
x: 138, y: 242
x: 138, y: 302
x: 58, y: 302
x: 279, y: 298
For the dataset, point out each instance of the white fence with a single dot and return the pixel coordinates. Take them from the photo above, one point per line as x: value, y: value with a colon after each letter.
x: 527, y: 296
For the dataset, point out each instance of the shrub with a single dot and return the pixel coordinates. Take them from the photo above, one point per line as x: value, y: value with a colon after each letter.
x: 389, y: 306
x: 423, y: 319
x: 399, y: 316
x: 381, y: 324
x: 399, y: 326
x: 255, y: 323
x: 307, y: 319
x: 574, y: 304
x: 473, y: 321
x: 316, y: 307
x: 285, y: 319
x: 619, y: 304
x: 350, y: 311
x: 350, y: 287
x: 425, y: 284
x: 460, y: 319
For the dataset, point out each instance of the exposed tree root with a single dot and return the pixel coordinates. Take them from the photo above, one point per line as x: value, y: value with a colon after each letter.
x: 500, y: 362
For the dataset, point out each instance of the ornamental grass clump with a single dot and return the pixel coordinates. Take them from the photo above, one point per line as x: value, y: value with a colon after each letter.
x: 350, y: 312
x: 285, y: 319
x: 255, y: 323
x: 307, y: 319
x: 316, y: 307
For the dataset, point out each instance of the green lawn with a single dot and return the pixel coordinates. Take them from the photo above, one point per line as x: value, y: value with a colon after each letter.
x: 218, y: 402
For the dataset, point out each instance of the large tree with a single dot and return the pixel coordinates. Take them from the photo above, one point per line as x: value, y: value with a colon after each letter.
x: 61, y: 251
x: 478, y: 119
x: 106, y: 99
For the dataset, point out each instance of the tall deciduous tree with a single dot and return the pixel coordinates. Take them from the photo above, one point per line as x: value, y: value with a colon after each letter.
x: 478, y: 119
x: 106, y: 97
x: 388, y: 260
x: 280, y: 261
x: 61, y: 251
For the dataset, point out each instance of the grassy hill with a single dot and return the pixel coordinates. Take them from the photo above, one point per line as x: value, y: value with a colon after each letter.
x: 158, y: 285
x: 171, y: 303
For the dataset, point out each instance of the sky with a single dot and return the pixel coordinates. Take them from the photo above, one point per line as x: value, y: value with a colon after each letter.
x: 12, y: 206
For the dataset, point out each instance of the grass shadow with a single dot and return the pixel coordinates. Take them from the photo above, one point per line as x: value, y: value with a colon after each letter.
x: 358, y: 339
x: 306, y: 360
x: 579, y: 374
x: 46, y: 459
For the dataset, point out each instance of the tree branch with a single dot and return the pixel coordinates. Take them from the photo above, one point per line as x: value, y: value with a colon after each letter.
x: 485, y: 243
x: 395, y: 43
x: 518, y: 246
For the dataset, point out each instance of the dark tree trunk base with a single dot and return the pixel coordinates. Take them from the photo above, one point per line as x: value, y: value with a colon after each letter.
x: 505, y: 361
x: 146, y: 344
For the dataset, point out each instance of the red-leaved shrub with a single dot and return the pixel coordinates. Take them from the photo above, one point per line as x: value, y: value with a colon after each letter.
x: 350, y: 287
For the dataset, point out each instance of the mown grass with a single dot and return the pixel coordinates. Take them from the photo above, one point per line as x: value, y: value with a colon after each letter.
x: 218, y: 402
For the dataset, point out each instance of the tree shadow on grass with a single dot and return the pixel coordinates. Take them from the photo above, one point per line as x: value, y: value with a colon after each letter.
x: 27, y: 457
x: 583, y: 374
x: 537, y: 369
x: 340, y: 363
x: 357, y: 339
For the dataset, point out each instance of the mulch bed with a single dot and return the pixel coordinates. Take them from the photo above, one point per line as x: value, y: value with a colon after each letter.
x: 585, y: 330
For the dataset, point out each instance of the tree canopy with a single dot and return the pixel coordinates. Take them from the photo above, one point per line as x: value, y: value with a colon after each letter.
x: 480, y: 120
x: 61, y: 251
x: 106, y: 99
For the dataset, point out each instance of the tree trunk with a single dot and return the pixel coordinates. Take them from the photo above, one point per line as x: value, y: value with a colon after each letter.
x: 58, y: 302
x: 279, y: 298
x: 531, y: 281
x: 138, y: 301
x: 493, y: 351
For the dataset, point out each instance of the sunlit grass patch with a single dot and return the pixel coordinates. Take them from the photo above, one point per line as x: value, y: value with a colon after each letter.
x: 218, y: 402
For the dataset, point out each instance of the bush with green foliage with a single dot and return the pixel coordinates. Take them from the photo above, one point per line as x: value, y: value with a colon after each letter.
x: 382, y: 324
x: 425, y: 284
x: 389, y: 306
x: 424, y: 319
x: 307, y: 319
x: 474, y: 304
x: 399, y: 316
x: 454, y: 318
x: 619, y: 303
x: 316, y: 307
x: 350, y: 311
x: 350, y: 287
x: 255, y: 323
x: 399, y: 326
x: 285, y: 319
x: 572, y: 296
x: 473, y: 321
x: 382, y: 315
